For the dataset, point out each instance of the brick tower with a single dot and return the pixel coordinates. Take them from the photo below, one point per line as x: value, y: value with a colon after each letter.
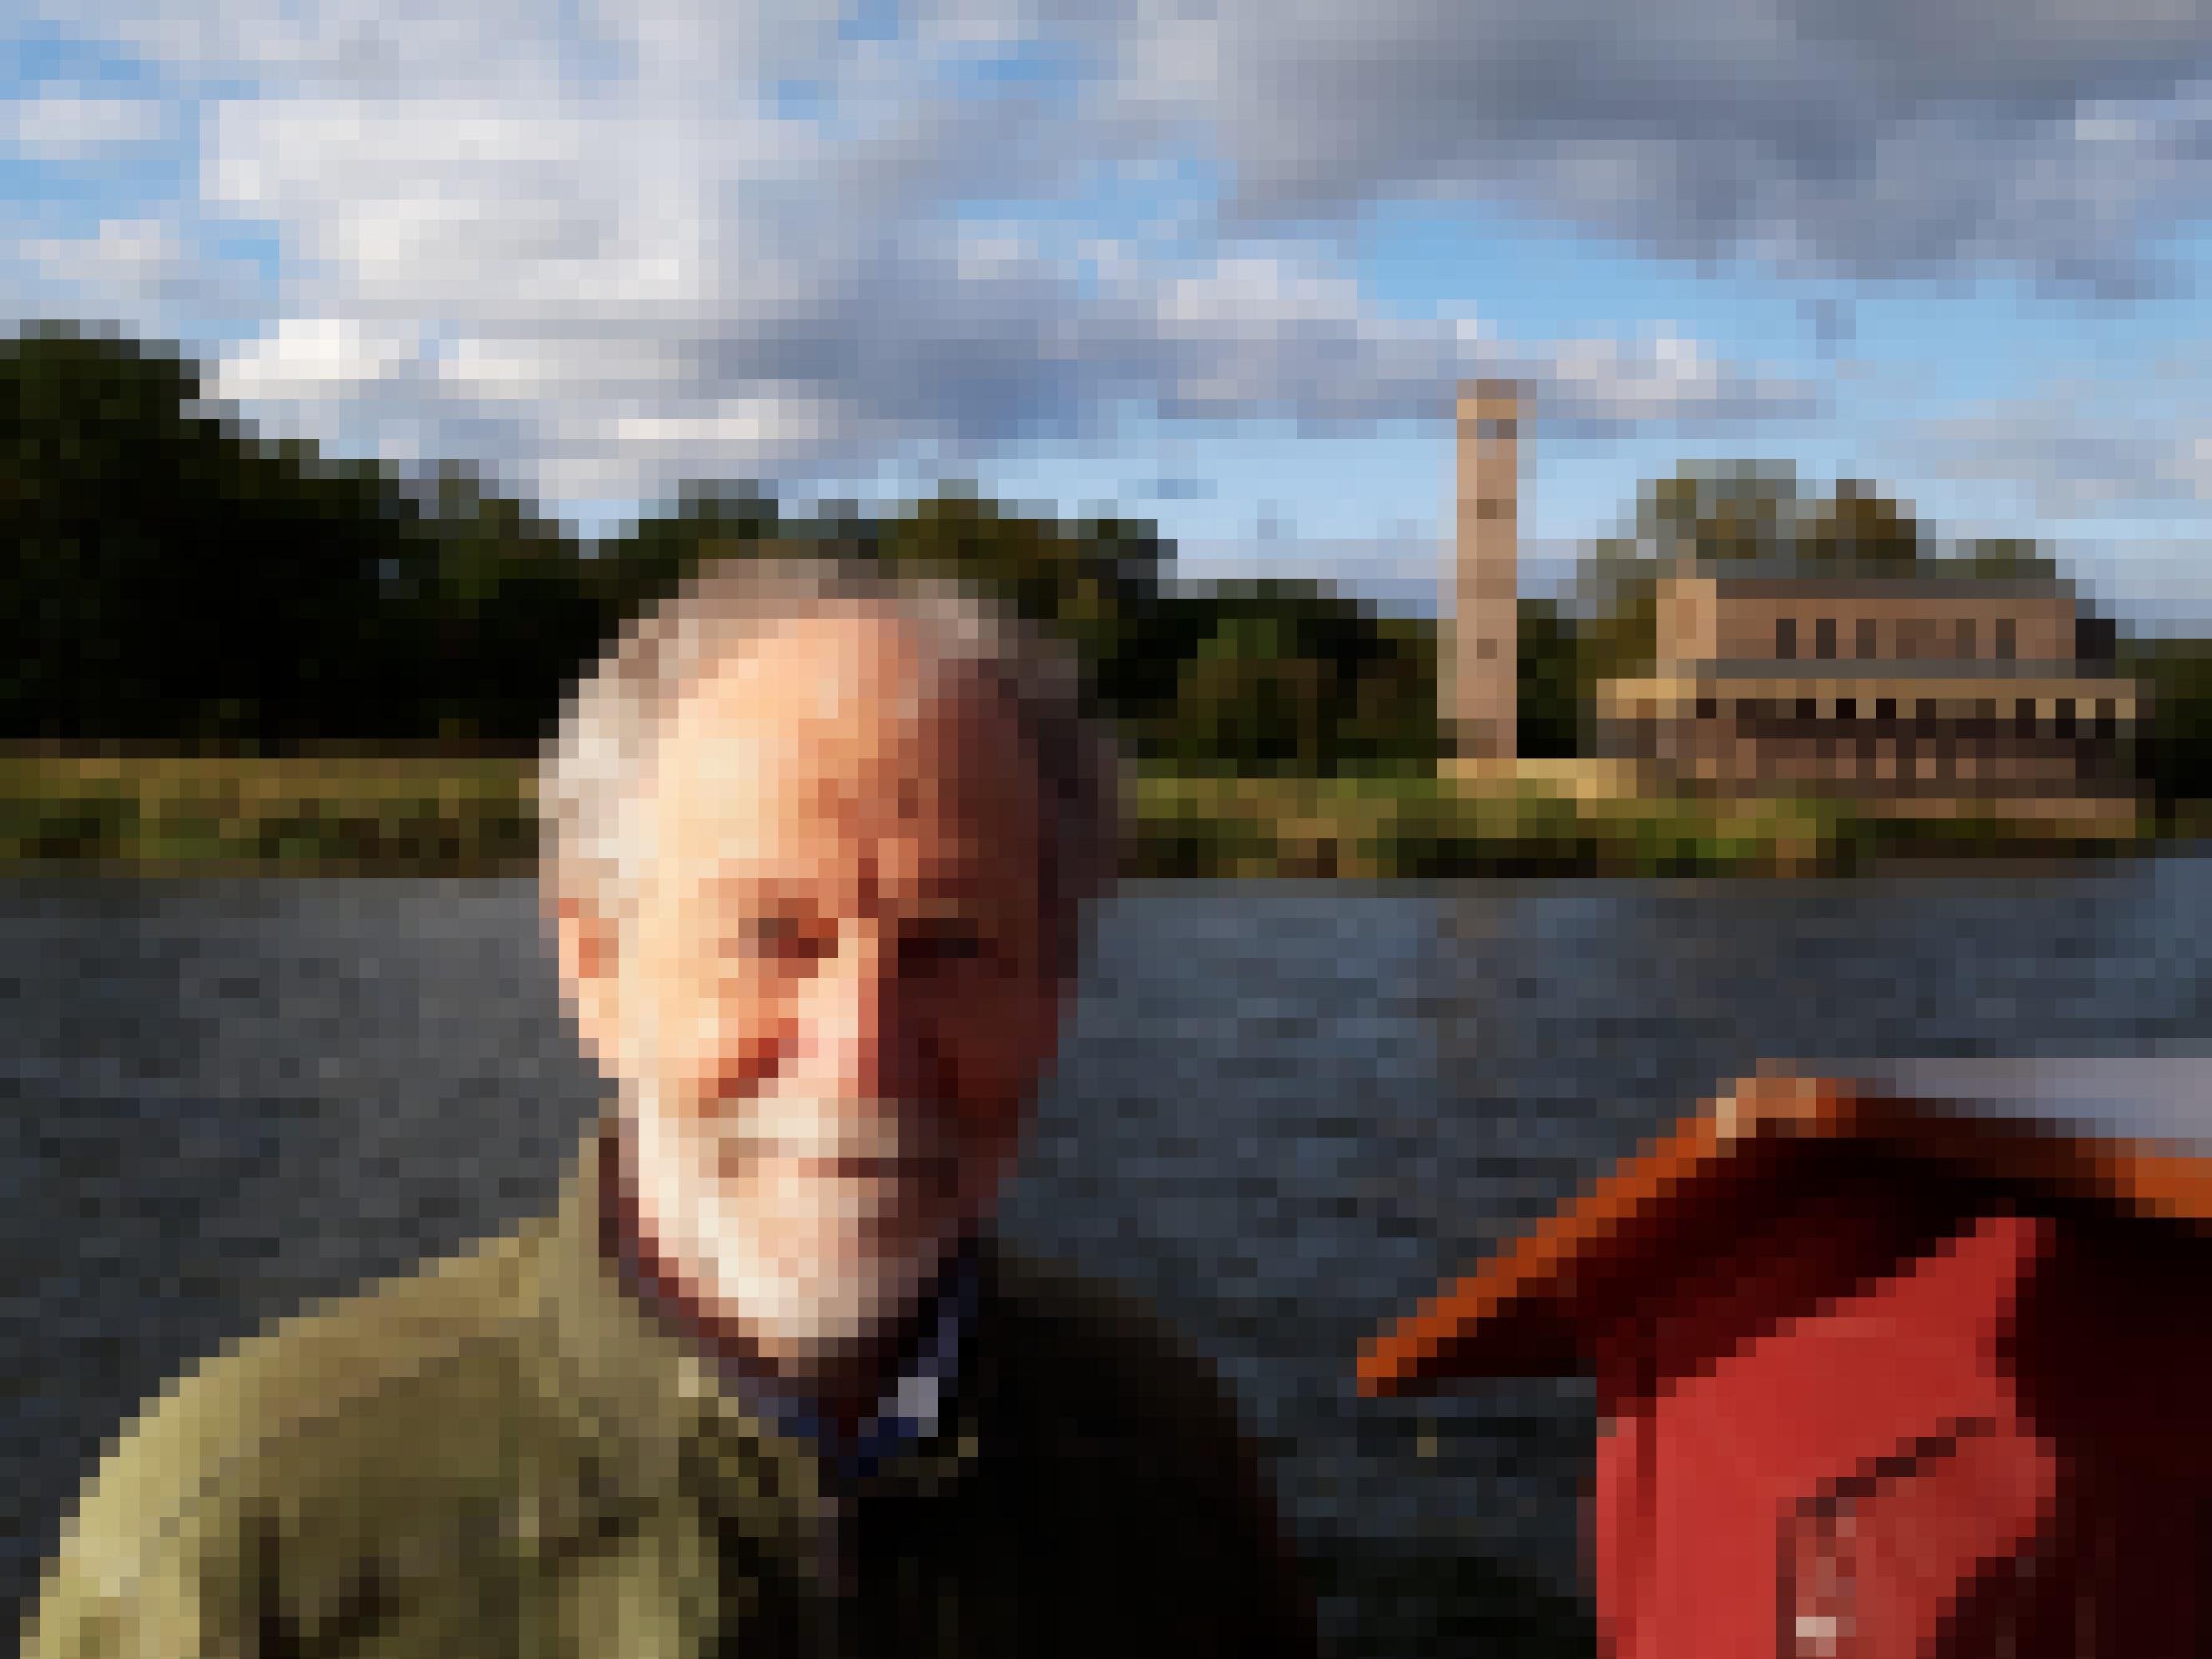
x: 1479, y: 665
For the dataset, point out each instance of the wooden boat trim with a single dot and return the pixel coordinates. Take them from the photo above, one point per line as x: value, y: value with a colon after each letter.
x: 1524, y: 1312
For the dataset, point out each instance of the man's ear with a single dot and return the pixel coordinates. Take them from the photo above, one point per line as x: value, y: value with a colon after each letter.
x: 585, y: 947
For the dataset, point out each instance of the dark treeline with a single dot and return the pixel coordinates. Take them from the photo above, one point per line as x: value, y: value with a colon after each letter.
x: 173, y: 580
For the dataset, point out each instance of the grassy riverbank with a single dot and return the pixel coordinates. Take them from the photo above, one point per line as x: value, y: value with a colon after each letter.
x: 441, y: 814
x: 418, y: 814
x: 1423, y: 827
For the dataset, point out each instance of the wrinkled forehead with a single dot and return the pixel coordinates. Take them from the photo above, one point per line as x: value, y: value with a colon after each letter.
x: 822, y: 665
x: 832, y: 743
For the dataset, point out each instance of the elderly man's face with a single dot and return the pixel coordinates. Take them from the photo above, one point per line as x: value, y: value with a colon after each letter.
x: 837, y: 997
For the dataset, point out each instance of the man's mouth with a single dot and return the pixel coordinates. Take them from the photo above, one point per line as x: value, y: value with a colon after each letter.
x: 853, y: 1169
x: 816, y: 1162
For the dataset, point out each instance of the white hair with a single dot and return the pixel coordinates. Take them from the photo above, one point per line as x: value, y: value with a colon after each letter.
x: 600, y: 763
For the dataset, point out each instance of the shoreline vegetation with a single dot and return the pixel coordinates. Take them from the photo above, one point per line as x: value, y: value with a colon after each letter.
x: 369, y: 813
x: 181, y: 584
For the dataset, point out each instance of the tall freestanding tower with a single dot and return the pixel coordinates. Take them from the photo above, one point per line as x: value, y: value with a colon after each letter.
x: 1481, y: 661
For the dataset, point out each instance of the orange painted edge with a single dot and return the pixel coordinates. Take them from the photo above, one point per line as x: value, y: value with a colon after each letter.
x: 1520, y: 1306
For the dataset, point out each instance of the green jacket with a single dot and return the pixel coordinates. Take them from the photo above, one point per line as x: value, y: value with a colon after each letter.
x: 507, y: 1454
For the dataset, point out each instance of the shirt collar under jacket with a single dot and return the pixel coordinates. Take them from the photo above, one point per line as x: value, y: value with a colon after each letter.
x: 642, y: 1384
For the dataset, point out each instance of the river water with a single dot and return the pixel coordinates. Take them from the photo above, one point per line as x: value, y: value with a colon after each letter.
x: 1285, y: 1110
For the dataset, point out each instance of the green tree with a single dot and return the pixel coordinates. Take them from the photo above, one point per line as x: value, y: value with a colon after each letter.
x: 1086, y: 582
x: 1550, y: 684
x: 1729, y: 512
x: 2007, y: 557
x: 2173, y: 749
x: 500, y: 608
x: 169, y: 577
x: 1859, y: 530
x: 629, y: 573
x: 1292, y: 677
x: 165, y: 578
x: 1738, y: 511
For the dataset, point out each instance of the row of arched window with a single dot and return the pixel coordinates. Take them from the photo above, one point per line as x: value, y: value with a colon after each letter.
x: 1907, y: 638
x: 2070, y: 716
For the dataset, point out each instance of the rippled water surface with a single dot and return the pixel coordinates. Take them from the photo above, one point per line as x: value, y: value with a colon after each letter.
x: 1285, y: 1110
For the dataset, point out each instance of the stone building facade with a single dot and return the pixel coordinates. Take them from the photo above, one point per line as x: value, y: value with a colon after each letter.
x: 1918, y: 690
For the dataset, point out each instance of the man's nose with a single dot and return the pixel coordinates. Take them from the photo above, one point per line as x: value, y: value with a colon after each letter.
x: 861, y: 1040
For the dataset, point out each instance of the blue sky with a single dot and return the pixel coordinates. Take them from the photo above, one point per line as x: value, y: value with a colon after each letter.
x: 1219, y: 265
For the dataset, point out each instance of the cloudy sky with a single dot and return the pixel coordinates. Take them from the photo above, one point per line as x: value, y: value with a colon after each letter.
x: 1215, y: 262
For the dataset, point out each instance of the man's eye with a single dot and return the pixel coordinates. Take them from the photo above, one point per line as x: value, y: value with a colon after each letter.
x: 948, y: 942
x: 777, y: 935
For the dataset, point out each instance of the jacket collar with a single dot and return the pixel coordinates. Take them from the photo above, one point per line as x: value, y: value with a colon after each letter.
x: 660, y: 1413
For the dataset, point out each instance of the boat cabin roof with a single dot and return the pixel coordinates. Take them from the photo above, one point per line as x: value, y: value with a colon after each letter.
x: 2127, y: 1136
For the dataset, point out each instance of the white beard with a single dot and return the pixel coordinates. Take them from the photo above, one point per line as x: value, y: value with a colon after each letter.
x: 810, y: 1263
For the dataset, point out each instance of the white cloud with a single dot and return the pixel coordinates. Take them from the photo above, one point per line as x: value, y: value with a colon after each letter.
x: 1870, y: 137
x: 67, y: 127
x: 2157, y: 585
x: 587, y: 247
x: 2075, y: 449
x: 145, y: 271
x: 316, y: 357
x: 744, y: 296
x: 125, y: 252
